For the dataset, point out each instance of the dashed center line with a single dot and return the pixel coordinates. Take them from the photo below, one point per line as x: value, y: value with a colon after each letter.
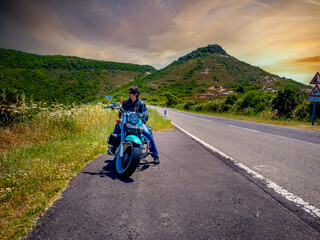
x: 248, y: 129
x: 206, y: 120
x: 244, y: 128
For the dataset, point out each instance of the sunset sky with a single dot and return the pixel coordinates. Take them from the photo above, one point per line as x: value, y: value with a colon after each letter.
x: 280, y: 36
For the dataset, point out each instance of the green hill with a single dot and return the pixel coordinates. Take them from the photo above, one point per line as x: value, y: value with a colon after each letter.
x: 64, y: 78
x: 207, y: 79
x: 210, y: 72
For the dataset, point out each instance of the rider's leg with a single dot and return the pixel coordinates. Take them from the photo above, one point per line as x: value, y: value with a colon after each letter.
x: 153, y: 148
x: 117, y: 129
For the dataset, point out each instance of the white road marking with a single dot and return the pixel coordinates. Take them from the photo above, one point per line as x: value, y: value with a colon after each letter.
x: 247, y: 129
x: 206, y: 120
x: 315, y: 212
x: 251, y: 130
x: 244, y: 128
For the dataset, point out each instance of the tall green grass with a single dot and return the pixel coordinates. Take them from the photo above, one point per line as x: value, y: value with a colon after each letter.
x: 39, y: 157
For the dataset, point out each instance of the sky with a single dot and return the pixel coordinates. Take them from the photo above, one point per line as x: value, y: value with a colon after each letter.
x: 280, y: 36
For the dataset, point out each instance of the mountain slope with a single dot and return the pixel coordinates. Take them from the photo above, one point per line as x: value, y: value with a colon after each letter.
x: 210, y: 71
x: 64, y: 78
x: 206, y: 72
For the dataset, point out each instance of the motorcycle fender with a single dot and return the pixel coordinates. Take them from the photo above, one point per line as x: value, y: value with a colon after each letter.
x: 133, y: 139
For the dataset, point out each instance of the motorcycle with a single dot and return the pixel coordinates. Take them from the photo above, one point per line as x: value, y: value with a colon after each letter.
x: 130, y: 145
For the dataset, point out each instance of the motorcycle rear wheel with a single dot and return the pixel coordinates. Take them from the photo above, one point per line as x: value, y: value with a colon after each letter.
x: 126, y: 165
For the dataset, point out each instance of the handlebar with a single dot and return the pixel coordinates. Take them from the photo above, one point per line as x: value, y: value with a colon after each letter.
x: 116, y: 105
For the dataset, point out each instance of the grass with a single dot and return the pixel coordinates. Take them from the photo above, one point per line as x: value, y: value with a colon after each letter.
x: 40, y: 157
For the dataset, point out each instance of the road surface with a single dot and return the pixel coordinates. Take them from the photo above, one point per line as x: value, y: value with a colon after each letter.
x: 289, y: 157
x: 192, y: 194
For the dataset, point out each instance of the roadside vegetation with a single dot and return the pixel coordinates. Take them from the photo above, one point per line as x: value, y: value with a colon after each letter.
x: 287, y: 107
x: 41, y: 149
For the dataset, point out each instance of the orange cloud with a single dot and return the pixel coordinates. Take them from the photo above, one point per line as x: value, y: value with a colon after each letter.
x: 315, y: 60
x: 276, y: 34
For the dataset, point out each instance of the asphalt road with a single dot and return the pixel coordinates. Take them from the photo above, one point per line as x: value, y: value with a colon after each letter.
x: 289, y: 157
x: 192, y: 194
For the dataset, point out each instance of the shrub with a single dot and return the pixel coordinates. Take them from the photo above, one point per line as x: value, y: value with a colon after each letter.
x: 231, y: 99
x: 304, y: 111
x: 240, y: 89
x: 188, y: 105
x: 286, y: 101
x: 171, y: 99
x: 153, y: 101
x: 12, y: 106
x: 199, y: 107
x: 249, y: 111
x: 214, y: 106
x: 224, y: 107
x: 259, y: 101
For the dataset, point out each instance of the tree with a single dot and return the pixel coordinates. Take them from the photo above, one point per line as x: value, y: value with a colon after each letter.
x: 240, y: 89
x: 171, y: 99
x: 286, y: 101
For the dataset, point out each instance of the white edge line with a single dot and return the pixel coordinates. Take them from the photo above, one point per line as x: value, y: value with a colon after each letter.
x: 248, y: 129
x: 256, y: 123
x: 315, y: 212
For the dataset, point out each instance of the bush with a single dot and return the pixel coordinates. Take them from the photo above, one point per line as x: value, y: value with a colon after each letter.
x: 187, y: 105
x: 231, y: 99
x: 240, y: 89
x: 171, y: 99
x: 303, y: 112
x: 286, y: 101
x: 199, y: 107
x: 153, y: 100
x: 259, y: 101
x: 12, y: 106
x: 249, y: 112
x: 212, y: 106
x: 224, y: 107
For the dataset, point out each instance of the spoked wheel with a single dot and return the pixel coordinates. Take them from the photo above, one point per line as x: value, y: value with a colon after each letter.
x: 127, y: 164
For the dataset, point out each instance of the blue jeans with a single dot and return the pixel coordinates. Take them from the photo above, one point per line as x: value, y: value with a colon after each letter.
x: 153, y: 148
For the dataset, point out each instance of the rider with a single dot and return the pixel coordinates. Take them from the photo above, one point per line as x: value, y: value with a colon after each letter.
x: 135, y: 104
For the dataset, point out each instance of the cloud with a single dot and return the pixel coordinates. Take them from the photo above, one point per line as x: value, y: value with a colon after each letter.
x: 313, y: 2
x: 314, y: 59
x: 300, y: 68
x: 156, y: 32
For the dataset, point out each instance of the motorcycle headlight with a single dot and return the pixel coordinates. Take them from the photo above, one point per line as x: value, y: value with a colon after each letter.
x: 134, y: 119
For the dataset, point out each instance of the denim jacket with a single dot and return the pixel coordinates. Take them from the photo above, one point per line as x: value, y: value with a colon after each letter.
x: 137, y: 106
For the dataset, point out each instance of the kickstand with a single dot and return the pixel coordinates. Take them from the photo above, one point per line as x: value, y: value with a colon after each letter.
x: 146, y: 161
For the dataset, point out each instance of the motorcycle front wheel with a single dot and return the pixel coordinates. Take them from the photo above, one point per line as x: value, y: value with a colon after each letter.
x: 126, y: 165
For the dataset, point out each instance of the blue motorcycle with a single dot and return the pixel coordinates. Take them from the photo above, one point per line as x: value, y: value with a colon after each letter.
x: 130, y: 145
